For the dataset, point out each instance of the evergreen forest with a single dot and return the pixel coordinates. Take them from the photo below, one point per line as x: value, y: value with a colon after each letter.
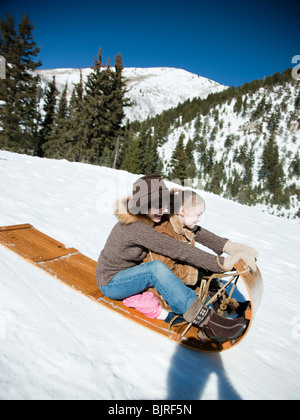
x: 87, y: 128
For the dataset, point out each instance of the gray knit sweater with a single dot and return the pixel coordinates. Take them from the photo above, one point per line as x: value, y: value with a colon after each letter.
x: 132, y: 238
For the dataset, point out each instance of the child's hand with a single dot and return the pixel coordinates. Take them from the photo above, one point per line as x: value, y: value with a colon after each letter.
x: 232, y: 247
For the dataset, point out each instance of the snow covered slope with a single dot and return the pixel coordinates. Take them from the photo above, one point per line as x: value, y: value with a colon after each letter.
x: 152, y: 90
x: 57, y: 344
x: 237, y: 139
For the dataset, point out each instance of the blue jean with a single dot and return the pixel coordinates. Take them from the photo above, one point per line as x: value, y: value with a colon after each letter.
x: 153, y: 274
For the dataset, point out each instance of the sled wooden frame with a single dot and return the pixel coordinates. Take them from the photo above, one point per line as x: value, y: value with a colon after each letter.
x: 77, y: 271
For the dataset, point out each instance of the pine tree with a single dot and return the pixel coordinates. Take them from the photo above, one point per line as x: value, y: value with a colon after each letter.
x: 229, y: 141
x: 272, y: 170
x: 161, y: 131
x: 76, y: 125
x: 132, y: 161
x: 103, y: 111
x: 151, y: 159
x: 118, y: 103
x: 94, y: 111
x: 110, y: 127
x: 191, y: 169
x: 242, y: 154
x: 235, y: 184
x: 262, y: 108
x: 128, y: 136
x: 274, y: 121
x: 270, y: 158
x: 50, y: 100
x: 179, y: 162
x: 56, y: 143
x: 297, y: 102
x: 238, y: 104
x: 19, y: 113
x: 276, y: 180
x: 10, y: 135
x: 218, y: 177
x: 248, y: 165
x: 208, y: 160
x: 295, y: 165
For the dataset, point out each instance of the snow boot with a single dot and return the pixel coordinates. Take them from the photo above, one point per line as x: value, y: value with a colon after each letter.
x: 217, y: 328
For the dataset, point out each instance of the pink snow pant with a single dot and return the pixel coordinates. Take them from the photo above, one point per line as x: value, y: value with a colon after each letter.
x: 146, y: 303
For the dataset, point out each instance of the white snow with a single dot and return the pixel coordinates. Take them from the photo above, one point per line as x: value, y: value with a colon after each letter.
x: 151, y: 90
x: 57, y: 344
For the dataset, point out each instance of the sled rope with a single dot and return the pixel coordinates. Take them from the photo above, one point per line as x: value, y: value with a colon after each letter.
x: 203, y: 294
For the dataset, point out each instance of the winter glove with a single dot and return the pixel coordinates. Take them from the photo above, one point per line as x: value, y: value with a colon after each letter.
x: 231, y: 260
x: 232, y: 247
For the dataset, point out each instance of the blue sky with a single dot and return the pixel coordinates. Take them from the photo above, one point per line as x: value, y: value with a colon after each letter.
x: 232, y: 42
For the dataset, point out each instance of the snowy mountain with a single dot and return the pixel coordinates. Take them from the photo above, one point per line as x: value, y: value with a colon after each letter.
x: 229, y: 140
x: 57, y: 344
x: 151, y: 90
x: 230, y: 144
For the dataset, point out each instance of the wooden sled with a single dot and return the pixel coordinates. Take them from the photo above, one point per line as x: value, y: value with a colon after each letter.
x: 78, y: 272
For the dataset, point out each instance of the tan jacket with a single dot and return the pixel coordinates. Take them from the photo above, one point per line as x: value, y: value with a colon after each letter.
x: 173, y: 228
x: 187, y: 273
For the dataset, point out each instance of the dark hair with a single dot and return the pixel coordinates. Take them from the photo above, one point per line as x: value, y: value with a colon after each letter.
x: 148, y: 191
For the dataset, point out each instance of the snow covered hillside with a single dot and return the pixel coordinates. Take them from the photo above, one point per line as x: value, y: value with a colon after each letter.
x: 151, y: 90
x: 233, y: 141
x: 57, y: 344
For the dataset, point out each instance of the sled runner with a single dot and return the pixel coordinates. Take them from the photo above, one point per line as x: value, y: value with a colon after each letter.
x: 78, y: 271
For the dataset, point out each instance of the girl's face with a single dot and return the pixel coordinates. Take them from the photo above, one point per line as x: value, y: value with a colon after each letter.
x: 156, y: 214
x: 190, y: 218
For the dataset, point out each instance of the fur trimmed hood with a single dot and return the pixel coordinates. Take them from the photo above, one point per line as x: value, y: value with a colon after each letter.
x: 124, y: 216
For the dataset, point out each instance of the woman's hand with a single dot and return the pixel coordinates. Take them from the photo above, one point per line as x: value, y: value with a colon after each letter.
x: 234, y: 258
x: 232, y: 247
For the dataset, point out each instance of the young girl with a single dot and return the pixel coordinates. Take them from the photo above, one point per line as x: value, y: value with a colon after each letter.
x: 121, y: 274
x: 187, y: 209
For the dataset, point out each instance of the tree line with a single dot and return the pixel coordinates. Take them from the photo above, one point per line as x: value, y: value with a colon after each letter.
x: 87, y: 128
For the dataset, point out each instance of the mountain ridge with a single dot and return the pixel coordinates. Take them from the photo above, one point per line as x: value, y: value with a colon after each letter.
x: 152, y: 90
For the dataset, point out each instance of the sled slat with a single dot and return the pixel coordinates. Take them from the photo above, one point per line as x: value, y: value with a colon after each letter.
x: 254, y: 285
x: 77, y: 271
x: 33, y: 245
x: 15, y: 227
